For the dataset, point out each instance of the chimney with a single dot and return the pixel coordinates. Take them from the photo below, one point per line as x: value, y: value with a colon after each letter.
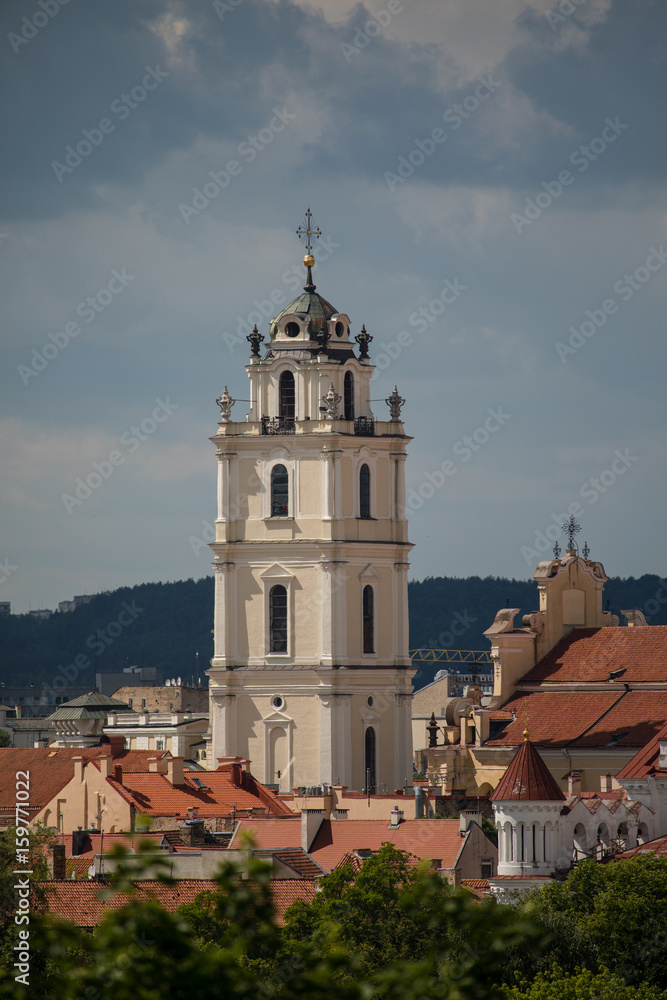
x: 106, y: 766
x: 311, y: 820
x: 192, y: 812
x: 58, y: 856
x: 396, y: 818
x: 157, y: 765
x: 78, y: 768
x: 175, y: 771
x: 605, y: 783
x: 662, y: 759
x: 574, y: 783
x: 116, y: 745
x: 453, y: 876
x: 118, y: 773
x: 467, y: 817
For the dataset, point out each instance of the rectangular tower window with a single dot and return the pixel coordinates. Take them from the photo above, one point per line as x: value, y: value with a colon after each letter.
x: 278, y: 619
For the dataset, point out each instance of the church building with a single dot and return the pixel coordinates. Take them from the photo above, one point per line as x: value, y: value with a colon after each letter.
x: 310, y: 678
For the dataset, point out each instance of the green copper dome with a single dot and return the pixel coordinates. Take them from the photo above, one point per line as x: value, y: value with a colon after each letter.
x: 308, y: 304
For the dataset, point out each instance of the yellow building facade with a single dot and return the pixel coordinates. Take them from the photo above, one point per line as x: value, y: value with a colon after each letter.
x: 311, y: 678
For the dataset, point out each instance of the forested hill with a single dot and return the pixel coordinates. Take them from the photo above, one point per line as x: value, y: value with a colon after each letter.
x: 165, y: 624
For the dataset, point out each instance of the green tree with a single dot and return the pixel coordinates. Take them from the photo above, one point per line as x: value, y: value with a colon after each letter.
x: 5, y: 738
x: 141, y: 952
x: 612, y: 916
x: 582, y: 985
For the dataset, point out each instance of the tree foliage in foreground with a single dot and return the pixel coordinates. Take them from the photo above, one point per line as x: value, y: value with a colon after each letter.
x: 611, y: 916
x: 141, y: 952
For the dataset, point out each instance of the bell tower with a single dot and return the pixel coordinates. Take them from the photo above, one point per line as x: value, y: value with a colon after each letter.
x: 310, y: 678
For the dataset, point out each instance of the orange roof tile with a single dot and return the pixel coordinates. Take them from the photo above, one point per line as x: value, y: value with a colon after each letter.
x: 647, y: 760
x: 657, y: 847
x: 426, y: 838
x: 79, y: 902
x: 527, y: 779
x: 269, y: 834
x: 585, y: 718
x: 590, y: 654
x: 154, y: 795
x: 51, y: 768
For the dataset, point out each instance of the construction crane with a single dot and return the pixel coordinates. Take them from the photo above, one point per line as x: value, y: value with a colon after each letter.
x: 474, y: 656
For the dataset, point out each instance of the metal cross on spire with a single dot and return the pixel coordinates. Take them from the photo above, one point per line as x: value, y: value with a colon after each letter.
x: 571, y: 528
x: 306, y: 231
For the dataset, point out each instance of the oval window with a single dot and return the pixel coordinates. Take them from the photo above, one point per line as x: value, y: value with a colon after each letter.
x: 340, y: 329
x: 277, y: 701
x: 292, y: 330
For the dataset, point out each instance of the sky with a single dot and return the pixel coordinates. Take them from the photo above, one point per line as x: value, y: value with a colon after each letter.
x: 488, y: 178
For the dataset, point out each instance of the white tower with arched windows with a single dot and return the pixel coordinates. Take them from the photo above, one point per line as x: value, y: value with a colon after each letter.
x: 311, y: 679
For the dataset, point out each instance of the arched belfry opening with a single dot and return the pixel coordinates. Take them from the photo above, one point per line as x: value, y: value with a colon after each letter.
x: 286, y: 396
x: 348, y: 395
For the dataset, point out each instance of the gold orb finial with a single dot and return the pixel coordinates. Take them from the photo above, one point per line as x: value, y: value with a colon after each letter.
x: 309, y: 260
x: 526, y: 734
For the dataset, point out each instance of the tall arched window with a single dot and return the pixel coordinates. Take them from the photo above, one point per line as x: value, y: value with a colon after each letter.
x: 369, y: 761
x: 286, y: 394
x: 364, y: 491
x: 279, y: 491
x: 278, y: 619
x: 348, y: 395
x: 369, y: 645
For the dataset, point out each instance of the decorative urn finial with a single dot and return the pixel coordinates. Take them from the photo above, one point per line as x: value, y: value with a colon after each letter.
x: 395, y: 402
x: 254, y: 339
x: 331, y: 401
x: 363, y: 339
x: 225, y: 402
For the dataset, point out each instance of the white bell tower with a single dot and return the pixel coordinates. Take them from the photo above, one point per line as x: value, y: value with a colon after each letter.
x: 310, y: 678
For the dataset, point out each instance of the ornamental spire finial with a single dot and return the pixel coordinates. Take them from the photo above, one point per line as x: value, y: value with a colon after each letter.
x: 305, y: 232
x: 571, y: 528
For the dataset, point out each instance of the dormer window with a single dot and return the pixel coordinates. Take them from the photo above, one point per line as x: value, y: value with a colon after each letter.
x: 340, y: 329
x: 292, y: 329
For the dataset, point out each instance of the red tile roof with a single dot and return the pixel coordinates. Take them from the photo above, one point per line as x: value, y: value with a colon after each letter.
x: 154, y: 795
x: 51, y: 768
x: 426, y: 838
x: 270, y: 834
x: 647, y: 761
x: 527, y: 779
x: 657, y: 847
x: 297, y: 859
x: 478, y: 886
x: 585, y: 718
x: 79, y: 902
x: 590, y: 654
